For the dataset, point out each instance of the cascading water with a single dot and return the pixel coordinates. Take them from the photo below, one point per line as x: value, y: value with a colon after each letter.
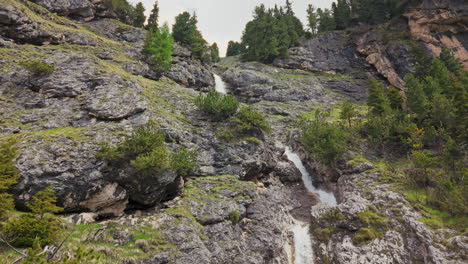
x: 303, y: 253
x: 325, y: 197
x: 220, y: 86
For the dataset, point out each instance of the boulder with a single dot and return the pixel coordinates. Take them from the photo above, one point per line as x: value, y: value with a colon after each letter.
x: 81, y: 8
x: 188, y: 71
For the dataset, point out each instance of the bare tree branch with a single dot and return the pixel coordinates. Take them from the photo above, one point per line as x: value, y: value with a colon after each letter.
x: 51, y: 256
x: 12, y: 247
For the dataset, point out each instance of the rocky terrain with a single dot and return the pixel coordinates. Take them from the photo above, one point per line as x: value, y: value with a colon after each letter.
x: 72, y: 77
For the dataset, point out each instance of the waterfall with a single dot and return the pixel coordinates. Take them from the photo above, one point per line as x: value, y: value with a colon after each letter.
x: 303, y: 252
x: 325, y: 196
x: 220, y: 86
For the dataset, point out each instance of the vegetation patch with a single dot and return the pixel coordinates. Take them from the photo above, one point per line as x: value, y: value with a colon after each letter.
x: 374, y: 225
x: 146, y: 152
x: 38, y: 68
x: 218, y: 105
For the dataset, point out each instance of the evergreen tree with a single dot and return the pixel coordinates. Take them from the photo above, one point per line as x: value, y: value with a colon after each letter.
x: 214, y: 50
x: 341, y: 14
x: 281, y: 32
x: 259, y: 36
x: 395, y: 98
x: 451, y: 153
x: 441, y: 111
x: 348, y: 112
x: 153, y: 18
x: 452, y: 64
x: 158, y: 47
x: 234, y: 48
x: 312, y: 19
x: 185, y: 31
x: 416, y: 98
x: 271, y: 33
x: 326, y: 21
x: 44, y: 202
x: 294, y: 25
x: 377, y: 100
x: 139, y: 15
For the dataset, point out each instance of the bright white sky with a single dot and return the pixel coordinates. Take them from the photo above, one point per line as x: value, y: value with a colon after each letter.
x: 223, y: 20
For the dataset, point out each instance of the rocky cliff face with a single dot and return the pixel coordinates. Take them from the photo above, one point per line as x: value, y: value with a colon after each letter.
x: 441, y: 23
x: 385, y: 51
x: 67, y: 86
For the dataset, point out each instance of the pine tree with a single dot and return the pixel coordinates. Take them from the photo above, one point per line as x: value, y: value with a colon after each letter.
x: 341, y: 14
x: 452, y: 64
x: 158, y: 47
x: 153, y: 18
x: 441, y: 111
x: 44, y: 202
x: 326, y: 21
x: 234, y: 48
x: 8, y: 176
x: 377, y: 100
x: 271, y: 33
x: 395, y: 98
x: 139, y: 15
x: 214, y: 50
x: 348, y: 112
x: 294, y: 25
x: 451, y: 153
x: 416, y: 98
x: 185, y: 31
x: 312, y: 19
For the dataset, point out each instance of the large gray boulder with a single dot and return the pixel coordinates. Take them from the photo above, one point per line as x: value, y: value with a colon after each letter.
x: 188, y: 71
x: 82, y: 8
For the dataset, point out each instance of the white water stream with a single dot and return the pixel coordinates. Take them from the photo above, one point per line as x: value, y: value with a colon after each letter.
x: 303, y: 252
x: 220, y: 86
x: 325, y: 196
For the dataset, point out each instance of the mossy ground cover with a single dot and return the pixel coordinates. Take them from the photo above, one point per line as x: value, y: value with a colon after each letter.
x: 431, y: 216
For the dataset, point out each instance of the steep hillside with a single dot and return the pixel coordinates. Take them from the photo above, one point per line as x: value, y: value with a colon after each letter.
x: 75, y: 86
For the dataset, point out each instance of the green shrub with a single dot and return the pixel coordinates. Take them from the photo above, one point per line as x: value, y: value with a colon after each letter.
x: 370, y: 218
x: 184, y: 162
x: 374, y: 226
x: 366, y: 235
x: 38, y: 68
x: 326, y: 141
x: 8, y: 175
x: 22, y: 231
x: 324, y: 235
x: 389, y: 131
x: 157, y: 160
x: 234, y: 217
x: 44, y: 202
x: 448, y: 196
x: 225, y: 134
x: 249, y: 119
x: 216, y: 104
x: 146, y: 152
x: 142, y: 142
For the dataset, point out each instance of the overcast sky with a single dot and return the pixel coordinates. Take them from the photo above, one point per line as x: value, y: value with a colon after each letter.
x: 223, y: 20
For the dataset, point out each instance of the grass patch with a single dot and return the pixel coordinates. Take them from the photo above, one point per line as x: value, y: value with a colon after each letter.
x: 366, y: 235
x: 431, y: 216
